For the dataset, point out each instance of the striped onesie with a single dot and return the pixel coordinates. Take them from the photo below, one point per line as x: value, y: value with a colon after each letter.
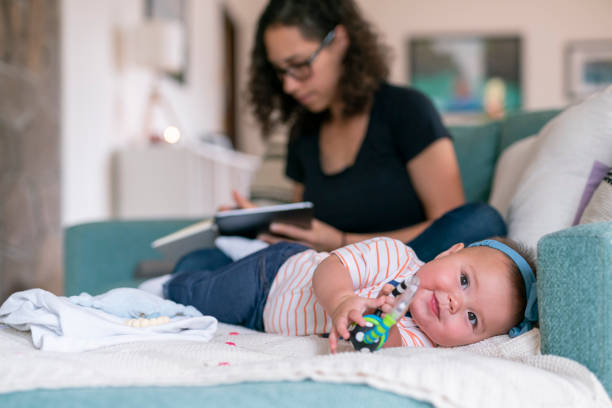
x: 292, y: 308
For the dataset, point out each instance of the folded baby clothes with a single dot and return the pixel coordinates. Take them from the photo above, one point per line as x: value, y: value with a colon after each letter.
x: 57, y: 324
x: 130, y: 302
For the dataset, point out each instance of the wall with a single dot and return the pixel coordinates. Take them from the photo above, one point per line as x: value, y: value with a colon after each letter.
x: 545, y: 25
x: 103, y: 100
x: 30, y: 233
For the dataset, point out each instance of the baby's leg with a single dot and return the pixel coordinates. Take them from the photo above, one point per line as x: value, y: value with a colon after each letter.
x: 202, y: 259
x: 198, y: 260
x: 235, y: 293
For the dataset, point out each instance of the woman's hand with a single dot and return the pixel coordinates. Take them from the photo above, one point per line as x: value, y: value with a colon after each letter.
x: 321, y: 236
x: 240, y: 201
x: 350, y: 309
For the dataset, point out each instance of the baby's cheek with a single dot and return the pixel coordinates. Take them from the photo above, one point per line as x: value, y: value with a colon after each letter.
x: 460, y: 334
x: 420, y: 296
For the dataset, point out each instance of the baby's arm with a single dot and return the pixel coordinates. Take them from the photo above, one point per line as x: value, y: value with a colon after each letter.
x: 394, y: 338
x: 334, y: 290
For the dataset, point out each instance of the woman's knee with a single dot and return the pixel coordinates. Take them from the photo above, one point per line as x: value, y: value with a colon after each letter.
x: 485, y: 216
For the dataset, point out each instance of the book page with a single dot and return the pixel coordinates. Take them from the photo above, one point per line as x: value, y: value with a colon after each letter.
x: 184, y: 232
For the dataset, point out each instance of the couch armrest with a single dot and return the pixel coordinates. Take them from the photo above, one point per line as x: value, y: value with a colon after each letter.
x: 575, y: 296
x: 102, y: 255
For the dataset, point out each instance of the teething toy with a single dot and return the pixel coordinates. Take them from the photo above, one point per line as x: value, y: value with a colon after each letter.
x: 374, y: 334
x: 143, y: 322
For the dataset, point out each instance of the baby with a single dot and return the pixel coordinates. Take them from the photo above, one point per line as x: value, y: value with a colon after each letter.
x: 466, y: 294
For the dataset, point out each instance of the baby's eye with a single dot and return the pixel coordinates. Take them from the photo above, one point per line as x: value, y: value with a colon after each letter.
x: 463, y: 279
x: 472, y: 318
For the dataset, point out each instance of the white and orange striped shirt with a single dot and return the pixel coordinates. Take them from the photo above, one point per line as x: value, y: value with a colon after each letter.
x: 292, y: 307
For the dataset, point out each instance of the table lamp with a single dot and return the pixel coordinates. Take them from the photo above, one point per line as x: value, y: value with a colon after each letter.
x: 158, y: 44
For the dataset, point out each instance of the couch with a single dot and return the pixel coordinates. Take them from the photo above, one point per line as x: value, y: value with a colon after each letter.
x: 576, y: 313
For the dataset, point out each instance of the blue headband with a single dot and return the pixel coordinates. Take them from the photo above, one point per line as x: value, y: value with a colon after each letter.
x: 531, y: 308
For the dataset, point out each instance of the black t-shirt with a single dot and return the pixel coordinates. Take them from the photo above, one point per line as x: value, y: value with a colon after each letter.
x: 374, y: 194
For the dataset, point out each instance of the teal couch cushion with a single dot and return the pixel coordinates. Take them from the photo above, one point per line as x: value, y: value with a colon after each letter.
x: 477, y: 151
x: 520, y: 125
x: 575, y: 296
x: 478, y: 147
x: 102, y: 255
x: 252, y: 395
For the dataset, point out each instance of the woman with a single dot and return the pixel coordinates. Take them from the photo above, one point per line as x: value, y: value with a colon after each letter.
x: 375, y: 159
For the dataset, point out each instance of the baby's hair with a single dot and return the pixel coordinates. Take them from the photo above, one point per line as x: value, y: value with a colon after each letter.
x: 516, y: 279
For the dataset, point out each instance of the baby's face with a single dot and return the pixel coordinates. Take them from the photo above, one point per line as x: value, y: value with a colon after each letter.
x: 464, y: 296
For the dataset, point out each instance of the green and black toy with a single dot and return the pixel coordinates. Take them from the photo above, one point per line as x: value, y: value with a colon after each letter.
x: 374, y: 334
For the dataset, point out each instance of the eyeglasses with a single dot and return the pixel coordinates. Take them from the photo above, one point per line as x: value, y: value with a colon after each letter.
x: 303, y: 70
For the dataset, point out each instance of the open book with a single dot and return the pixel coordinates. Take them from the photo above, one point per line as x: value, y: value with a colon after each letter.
x: 244, y: 222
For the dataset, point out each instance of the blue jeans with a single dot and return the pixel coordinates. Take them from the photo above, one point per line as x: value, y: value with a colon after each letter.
x: 202, y: 259
x: 235, y: 293
x: 467, y: 223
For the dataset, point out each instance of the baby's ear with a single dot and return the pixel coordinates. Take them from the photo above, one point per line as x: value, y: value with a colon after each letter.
x: 457, y: 247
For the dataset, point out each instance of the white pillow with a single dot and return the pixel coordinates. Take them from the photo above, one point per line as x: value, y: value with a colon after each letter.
x: 549, y: 190
x: 508, y: 171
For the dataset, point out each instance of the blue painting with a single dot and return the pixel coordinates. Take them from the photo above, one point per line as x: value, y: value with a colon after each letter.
x: 468, y: 74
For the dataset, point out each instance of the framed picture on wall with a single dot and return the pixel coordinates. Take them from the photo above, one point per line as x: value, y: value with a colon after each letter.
x: 171, y: 10
x: 468, y: 74
x: 588, y: 67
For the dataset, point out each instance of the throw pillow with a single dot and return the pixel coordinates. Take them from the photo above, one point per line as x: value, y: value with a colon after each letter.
x: 549, y: 190
x: 599, y: 208
x: 508, y: 171
x: 598, y: 172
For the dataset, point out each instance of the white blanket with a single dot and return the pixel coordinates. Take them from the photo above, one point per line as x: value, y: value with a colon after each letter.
x: 498, y: 372
x: 56, y: 324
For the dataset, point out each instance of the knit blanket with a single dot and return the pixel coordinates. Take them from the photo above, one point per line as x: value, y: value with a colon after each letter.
x: 500, y: 371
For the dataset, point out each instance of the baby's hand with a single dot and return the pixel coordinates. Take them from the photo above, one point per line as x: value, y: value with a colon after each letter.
x: 350, y: 309
x: 385, y: 293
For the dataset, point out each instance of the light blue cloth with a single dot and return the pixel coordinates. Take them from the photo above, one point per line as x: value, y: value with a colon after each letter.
x: 57, y: 324
x: 134, y: 303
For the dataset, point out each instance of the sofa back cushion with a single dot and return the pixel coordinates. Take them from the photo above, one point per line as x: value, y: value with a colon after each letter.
x: 508, y: 171
x: 99, y: 256
x: 599, y: 208
x: 476, y: 148
x: 518, y: 126
x: 549, y: 191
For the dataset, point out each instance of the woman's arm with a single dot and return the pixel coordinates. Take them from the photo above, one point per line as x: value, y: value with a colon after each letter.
x: 436, y: 178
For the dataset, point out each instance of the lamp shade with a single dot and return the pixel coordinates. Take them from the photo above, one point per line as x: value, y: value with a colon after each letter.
x: 157, y: 44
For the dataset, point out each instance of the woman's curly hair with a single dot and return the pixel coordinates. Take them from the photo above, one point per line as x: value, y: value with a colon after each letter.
x: 365, y: 63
